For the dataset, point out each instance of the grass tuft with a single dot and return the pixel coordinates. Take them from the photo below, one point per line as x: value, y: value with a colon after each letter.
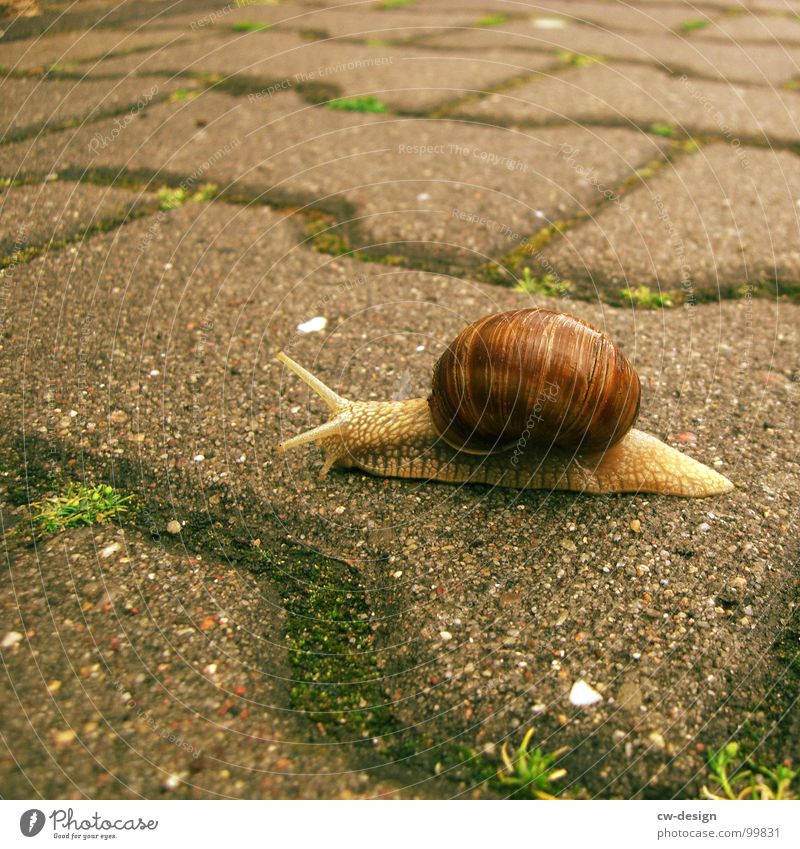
x: 531, y: 771
x: 735, y: 776
x: 80, y: 505
x: 395, y: 4
x: 358, y: 104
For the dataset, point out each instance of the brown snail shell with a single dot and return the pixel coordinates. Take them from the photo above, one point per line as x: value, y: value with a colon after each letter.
x: 533, y: 375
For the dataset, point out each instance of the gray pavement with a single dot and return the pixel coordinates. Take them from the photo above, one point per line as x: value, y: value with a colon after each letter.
x: 178, y: 198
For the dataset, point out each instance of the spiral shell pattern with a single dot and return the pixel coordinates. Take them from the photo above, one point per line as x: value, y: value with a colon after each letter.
x: 536, y: 377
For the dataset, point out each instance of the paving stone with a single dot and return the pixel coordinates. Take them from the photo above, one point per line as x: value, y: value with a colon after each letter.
x: 732, y: 62
x: 722, y: 219
x: 412, y: 186
x: 223, y: 18
x: 417, y: 190
x: 152, y: 679
x: 35, y: 215
x: 198, y: 138
x: 146, y: 359
x: 528, y: 616
x: 403, y: 78
x: 784, y: 29
x: 29, y: 103
x: 782, y: 6
x: 655, y: 19
x: 364, y: 22
x: 610, y: 94
x: 411, y: 22
x: 91, y: 15
x: 79, y: 47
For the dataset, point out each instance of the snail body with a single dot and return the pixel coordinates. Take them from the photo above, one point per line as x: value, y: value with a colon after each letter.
x: 529, y: 399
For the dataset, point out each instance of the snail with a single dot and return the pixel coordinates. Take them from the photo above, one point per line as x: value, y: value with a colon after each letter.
x: 531, y: 399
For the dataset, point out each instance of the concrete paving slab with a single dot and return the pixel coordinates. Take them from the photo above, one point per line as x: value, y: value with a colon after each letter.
x: 411, y: 186
x: 197, y: 138
x: 371, y: 22
x: 159, y: 673
x: 771, y: 29
x: 403, y: 78
x: 721, y: 220
x: 37, y: 215
x: 489, y: 604
x: 84, y: 46
x: 365, y: 22
x: 733, y: 62
x: 617, y: 17
x: 29, y: 104
x: 614, y: 93
x: 416, y: 190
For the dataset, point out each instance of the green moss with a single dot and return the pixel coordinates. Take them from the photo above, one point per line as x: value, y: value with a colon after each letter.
x: 323, y: 234
x: 250, y: 26
x: 579, y: 60
x: 644, y: 296
x: 546, y: 284
x: 184, y: 94
x: 490, y: 21
x: 171, y: 198
x: 335, y: 677
x: 358, y: 104
x: 206, y: 192
x: 314, y: 34
x: 502, y: 270
x: 693, y: 24
x: 395, y: 4
x: 661, y: 129
x: 80, y: 505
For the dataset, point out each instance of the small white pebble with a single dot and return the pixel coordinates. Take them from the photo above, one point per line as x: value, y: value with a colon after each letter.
x: 423, y: 196
x: 172, y: 782
x: 549, y: 23
x: 11, y: 639
x: 445, y: 635
x: 582, y: 694
x: 174, y: 527
x: 313, y: 325
x: 110, y: 549
x: 420, y: 348
x: 198, y: 458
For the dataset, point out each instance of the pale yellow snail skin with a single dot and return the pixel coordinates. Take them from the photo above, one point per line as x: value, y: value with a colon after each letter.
x: 397, y: 439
